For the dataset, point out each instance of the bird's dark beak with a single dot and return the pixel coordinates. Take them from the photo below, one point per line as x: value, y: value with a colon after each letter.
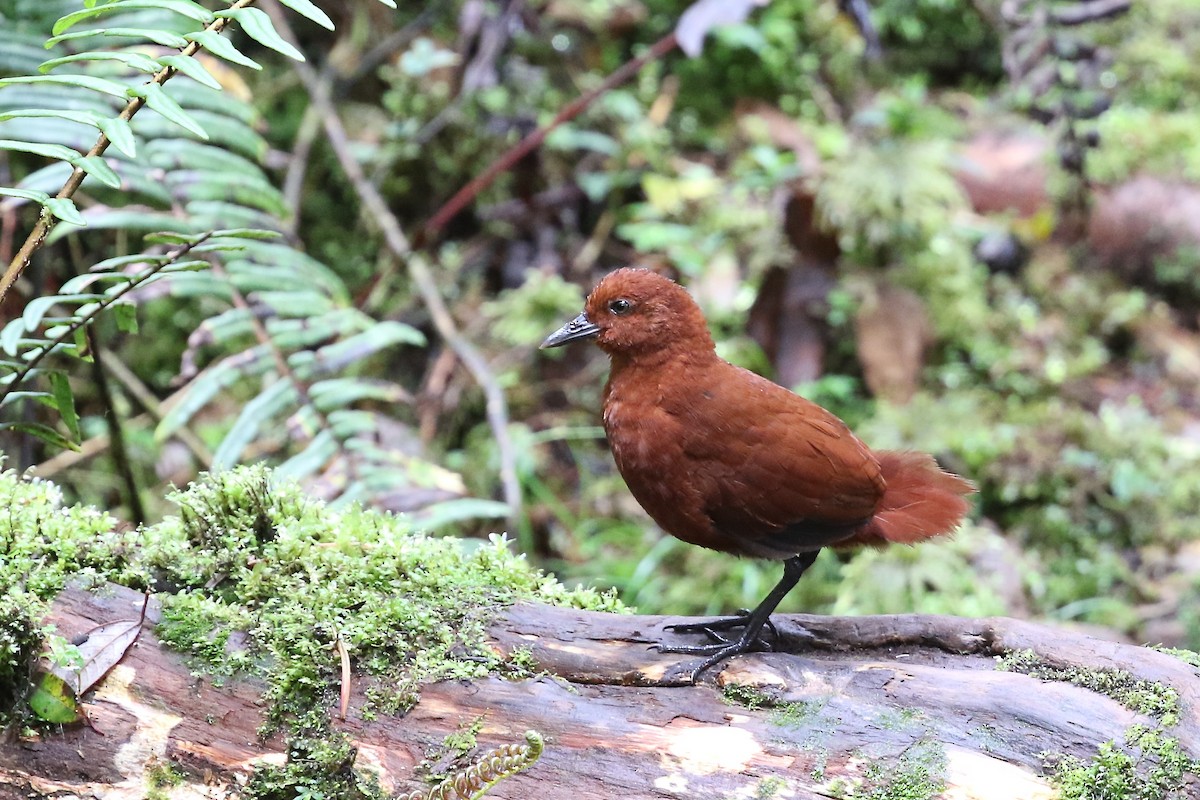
x: 579, y: 328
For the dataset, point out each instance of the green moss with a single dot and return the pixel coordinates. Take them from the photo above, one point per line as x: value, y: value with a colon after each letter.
x: 1137, y: 694
x: 43, y: 545
x: 1186, y: 656
x: 316, y: 769
x: 769, y: 787
x: 785, y: 713
x: 451, y: 754
x: 257, y: 578
x: 751, y: 697
x: 1150, y: 767
x: 900, y: 718
x: 918, y: 774
x: 160, y: 777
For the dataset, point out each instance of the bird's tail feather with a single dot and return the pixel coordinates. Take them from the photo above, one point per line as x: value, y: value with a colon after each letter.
x: 921, y: 501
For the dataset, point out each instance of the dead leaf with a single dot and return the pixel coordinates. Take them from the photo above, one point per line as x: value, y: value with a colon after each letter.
x: 104, y: 647
x: 704, y: 15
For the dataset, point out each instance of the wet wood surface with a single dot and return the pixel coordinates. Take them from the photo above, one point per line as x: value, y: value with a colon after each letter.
x: 841, y: 700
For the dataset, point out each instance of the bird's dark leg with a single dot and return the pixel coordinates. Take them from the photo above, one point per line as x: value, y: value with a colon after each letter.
x: 751, y: 623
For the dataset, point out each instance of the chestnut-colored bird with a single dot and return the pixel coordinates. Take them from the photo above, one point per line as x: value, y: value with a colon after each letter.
x: 726, y: 459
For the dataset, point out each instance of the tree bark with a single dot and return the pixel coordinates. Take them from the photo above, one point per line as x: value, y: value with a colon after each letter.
x: 860, y: 701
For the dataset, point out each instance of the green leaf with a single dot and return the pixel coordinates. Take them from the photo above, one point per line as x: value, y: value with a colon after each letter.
x: 36, y: 308
x: 11, y: 335
x: 389, y: 3
x: 12, y: 397
x: 64, y: 208
x: 115, y: 128
x: 56, y: 151
x: 174, y: 237
x: 310, y: 459
x: 192, y: 68
x: 99, y: 169
x: 307, y: 9
x: 336, y: 393
x: 74, y: 114
x: 135, y: 61
x: 256, y: 234
x: 126, y: 316
x: 165, y: 38
x: 339, y: 355
x: 160, y: 101
x: 46, y: 434
x: 85, y: 81
x: 119, y: 133
x: 64, y: 401
x: 209, y: 383
x: 261, y: 410
x: 458, y: 510
x: 54, y: 702
x: 221, y: 47
x: 185, y: 7
x: 61, y: 207
x: 258, y: 27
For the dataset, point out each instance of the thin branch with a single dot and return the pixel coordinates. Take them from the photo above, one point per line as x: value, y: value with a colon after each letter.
x: 389, y: 46
x: 116, y: 434
x: 45, y: 223
x: 68, y: 332
x: 146, y: 398
x: 422, y: 276
x: 534, y: 140
x: 293, y: 181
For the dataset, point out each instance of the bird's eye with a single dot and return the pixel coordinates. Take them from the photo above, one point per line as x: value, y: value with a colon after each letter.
x: 620, y: 306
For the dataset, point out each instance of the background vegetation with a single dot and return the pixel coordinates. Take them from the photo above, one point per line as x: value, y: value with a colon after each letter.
x: 851, y: 221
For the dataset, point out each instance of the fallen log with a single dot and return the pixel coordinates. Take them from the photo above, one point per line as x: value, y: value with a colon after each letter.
x: 843, y: 707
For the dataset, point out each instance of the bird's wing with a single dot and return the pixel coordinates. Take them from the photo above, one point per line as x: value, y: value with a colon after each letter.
x: 773, y: 461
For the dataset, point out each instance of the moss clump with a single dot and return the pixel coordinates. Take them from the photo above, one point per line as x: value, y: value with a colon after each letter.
x: 1156, y: 769
x: 785, y: 713
x: 919, y: 774
x: 43, y: 545
x: 161, y: 777
x: 1186, y: 656
x: 1137, y: 694
x: 257, y: 578
x: 769, y: 787
x: 316, y: 769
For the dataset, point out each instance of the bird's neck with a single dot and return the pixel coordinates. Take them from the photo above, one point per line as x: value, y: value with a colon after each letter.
x: 633, y: 362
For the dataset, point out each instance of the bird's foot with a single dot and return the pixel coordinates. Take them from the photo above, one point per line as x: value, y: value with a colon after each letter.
x: 710, y: 627
x: 715, y: 652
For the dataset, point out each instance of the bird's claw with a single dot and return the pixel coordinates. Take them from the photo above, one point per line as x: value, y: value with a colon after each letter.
x: 716, y: 653
x: 739, y: 620
x: 711, y: 627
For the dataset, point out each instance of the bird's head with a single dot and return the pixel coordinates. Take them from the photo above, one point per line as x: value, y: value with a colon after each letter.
x: 636, y: 312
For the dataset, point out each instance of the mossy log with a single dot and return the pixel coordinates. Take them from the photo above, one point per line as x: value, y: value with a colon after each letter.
x: 896, y: 707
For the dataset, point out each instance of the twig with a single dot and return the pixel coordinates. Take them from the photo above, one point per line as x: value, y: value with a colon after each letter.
x: 293, y: 181
x: 418, y: 270
x: 146, y: 398
x: 45, y: 222
x: 116, y: 433
x: 534, y: 140
x: 89, y: 448
x: 384, y: 50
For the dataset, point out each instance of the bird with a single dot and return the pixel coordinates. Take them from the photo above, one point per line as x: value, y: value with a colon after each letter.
x: 726, y: 459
